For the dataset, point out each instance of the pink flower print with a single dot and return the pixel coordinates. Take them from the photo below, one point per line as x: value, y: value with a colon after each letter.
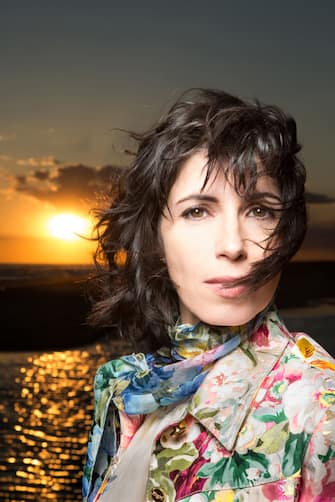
x: 219, y: 379
x: 329, y: 483
x: 293, y: 376
x: 186, y: 482
x: 129, y: 425
x: 201, y: 442
x: 281, y: 490
x: 261, y: 337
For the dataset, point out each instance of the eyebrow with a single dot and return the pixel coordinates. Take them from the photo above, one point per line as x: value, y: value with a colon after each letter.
x: 210, y: 198
x: 199, y: 197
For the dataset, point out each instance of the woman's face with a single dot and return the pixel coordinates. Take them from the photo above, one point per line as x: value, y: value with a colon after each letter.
x: 213, y: 236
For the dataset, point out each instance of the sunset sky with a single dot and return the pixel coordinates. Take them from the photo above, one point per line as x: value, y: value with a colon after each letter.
x: 73, y: 71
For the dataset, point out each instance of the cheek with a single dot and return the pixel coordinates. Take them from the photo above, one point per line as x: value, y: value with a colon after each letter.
x: 178, y: 265
x: 186, y: 248
x: 183, y: 261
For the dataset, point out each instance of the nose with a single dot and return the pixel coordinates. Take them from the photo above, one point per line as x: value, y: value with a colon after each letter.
x: 230, y: 243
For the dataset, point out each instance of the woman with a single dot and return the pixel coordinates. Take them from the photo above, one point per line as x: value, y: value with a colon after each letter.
x: 220, y: 402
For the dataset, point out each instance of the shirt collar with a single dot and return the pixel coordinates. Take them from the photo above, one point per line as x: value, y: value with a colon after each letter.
x: 223, y: 401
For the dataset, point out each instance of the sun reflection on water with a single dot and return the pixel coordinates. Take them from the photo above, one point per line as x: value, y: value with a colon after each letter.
x: 45, y: 412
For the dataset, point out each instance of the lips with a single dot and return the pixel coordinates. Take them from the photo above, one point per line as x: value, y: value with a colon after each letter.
x: 222, y: 286
x: 223, y: 280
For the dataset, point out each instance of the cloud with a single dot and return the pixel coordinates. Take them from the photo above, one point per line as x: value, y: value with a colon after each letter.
x: 318, y: 198
x: 21, y: 179
x: 68, y: 185
x: 7, y: 137
x: 41, y: 175
x: 48, y: 161
x: 5, y: 158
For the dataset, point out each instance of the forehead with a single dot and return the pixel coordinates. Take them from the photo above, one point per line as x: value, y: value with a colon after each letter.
x: 192, y: 178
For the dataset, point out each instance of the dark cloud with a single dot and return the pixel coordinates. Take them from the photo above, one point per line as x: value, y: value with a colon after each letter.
x: 21, y: 180
x: 41, y: 175
x: 69, y: 185
x: 318, y: 198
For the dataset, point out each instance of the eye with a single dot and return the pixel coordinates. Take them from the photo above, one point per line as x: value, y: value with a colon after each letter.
x: 195, y: 213
x: 262, y: 212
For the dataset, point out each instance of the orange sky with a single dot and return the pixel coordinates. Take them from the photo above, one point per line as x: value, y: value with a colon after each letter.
x: 45, y: 250
x: 33, y: 195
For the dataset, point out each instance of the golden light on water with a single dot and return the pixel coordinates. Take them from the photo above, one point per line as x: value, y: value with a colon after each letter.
x: 68, y: 226
x: 45, y: 416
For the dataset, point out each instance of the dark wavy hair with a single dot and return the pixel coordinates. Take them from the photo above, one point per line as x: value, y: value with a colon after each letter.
x: 133, y: 291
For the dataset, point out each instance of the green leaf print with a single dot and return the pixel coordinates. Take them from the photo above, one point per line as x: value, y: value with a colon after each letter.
x: 295, y: 448
x: 249, y: 354
x: 233, y: 470
x: 206, y: 413
x: 196, y: 400
x: 280, y: 417
x: 209, y: 470
x: 177, y: 460
x: 266, y: 417
x: 329, y: 455
x: 169, y: 460
x: 273, y: 440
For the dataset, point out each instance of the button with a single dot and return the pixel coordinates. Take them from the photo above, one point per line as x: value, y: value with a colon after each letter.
x: 178, y: 430
x: 158, y: 495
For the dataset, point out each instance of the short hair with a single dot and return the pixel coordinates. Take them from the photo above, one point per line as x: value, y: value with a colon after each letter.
x: 244, y: 139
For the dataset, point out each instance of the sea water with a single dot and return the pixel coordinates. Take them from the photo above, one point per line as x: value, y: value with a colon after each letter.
x: 46, y: 405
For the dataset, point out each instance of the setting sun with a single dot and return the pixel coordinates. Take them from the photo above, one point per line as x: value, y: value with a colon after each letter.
x: 68, y: 226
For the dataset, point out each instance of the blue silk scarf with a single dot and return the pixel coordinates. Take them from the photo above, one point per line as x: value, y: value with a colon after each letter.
x: 140, y: 383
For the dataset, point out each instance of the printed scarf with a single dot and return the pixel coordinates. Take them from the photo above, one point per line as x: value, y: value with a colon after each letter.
x: 141, y: 383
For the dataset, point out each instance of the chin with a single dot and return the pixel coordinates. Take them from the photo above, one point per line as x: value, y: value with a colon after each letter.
x: 228, y: 314
x: 229, y: 318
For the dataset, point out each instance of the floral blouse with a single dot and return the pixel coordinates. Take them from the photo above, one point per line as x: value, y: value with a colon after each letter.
x: 260, y: 427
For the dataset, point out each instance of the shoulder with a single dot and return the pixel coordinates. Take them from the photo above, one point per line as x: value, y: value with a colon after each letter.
x: 309, y: 353
x: 309, y: 363
x: 309, y: 383
x: 309, y: 404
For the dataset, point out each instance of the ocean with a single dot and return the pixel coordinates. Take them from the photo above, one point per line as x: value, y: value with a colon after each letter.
x: 46, y: 406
